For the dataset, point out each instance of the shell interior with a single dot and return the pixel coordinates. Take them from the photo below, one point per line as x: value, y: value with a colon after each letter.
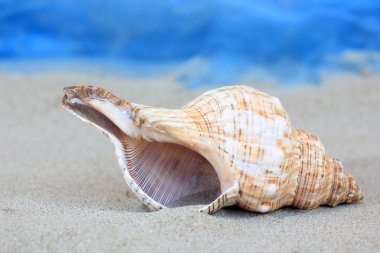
x: 170, y: 174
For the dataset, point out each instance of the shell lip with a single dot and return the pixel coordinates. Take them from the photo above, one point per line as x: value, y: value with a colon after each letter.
x: 73, y: 96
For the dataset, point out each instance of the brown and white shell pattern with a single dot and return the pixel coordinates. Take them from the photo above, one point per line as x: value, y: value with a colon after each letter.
x: 230, y: 146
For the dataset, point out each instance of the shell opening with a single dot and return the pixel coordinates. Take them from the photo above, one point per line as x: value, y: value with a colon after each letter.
x: 168, y: 173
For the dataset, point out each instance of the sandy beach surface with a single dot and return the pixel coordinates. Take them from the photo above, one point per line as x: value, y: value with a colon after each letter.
x: 61, y: 189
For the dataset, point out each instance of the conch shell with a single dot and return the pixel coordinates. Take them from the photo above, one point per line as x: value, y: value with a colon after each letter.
x: 231, y: 146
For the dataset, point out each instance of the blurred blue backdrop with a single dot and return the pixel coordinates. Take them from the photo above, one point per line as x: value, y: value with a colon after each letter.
x: 224, y: 41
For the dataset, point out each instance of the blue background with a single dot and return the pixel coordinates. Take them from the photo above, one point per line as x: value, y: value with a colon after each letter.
x: 291, y: 41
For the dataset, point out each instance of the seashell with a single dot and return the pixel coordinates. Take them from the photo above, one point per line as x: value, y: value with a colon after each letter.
x: 230, y: 146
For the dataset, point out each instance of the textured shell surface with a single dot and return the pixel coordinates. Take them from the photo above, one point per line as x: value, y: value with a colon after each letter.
x: 230, y: 146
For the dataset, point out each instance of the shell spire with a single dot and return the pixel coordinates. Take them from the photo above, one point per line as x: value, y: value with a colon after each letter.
x: 322, y: 180
x: 232, y: 145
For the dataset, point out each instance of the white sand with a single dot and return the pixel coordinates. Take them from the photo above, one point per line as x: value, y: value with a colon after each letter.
x: 62, y: 191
